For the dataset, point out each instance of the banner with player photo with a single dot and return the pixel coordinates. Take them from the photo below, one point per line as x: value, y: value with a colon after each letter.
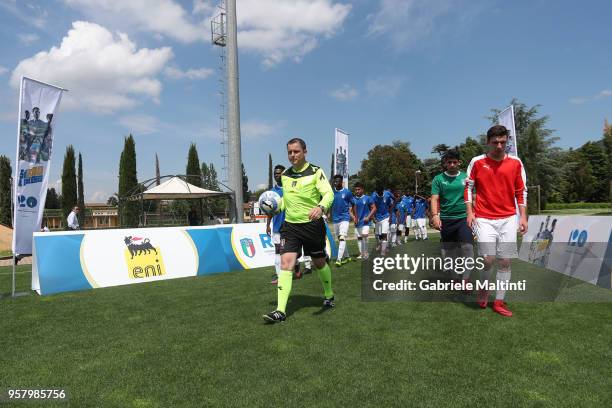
x: 341, y: 156
x: 576, y: 246
x: 506, y: 119
x: 38, y: 104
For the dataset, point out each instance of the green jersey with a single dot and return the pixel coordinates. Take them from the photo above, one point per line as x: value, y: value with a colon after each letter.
x: 304, y: 189
x: 450, y: 190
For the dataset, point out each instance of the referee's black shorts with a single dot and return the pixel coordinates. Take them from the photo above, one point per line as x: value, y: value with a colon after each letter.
x: 309, y: 235
x: 456, y: 230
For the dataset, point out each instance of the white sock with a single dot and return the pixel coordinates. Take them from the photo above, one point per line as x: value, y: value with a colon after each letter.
x: 383, y: 247
x: 277, y: 263
x: 307, y: 263
x: 467, y: 251
x: 503, y: 275
x: 341, y: 247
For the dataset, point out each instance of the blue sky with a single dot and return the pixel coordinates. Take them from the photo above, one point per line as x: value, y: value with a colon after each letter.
x: 426, y: 72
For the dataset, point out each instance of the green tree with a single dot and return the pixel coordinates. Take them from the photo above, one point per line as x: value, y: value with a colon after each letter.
x: 535, y: 145
x: 194, y: 176
x: 52, y: 202
x: 112, y: 200
x: 5, y: 191
x: 333, y: 167
x: 205, y: 176
x: 246, y: 194
x: 607, y: 141
x: 390, y: 165
x: 80, y: 191
x: 595, y: 154
x: 468, y: 150
x: 270, y: 172
x: 69, y: 182
x: 579, y: 174
x: 128, y: 184
x: 440, y: 149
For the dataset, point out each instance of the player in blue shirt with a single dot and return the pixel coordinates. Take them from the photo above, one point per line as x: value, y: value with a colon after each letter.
x: 419, y: 214
x: 393, y: 219
x: 364, y: 210
x: 401, y: 217
x: 383, y: 202
x: 341, y: 214
x: 408, y: 204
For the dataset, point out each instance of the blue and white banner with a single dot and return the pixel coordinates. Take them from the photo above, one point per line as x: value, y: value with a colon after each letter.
x: 79, y: 260
x: 506, y: 119
x: 38, y: 105
x: 577, y: 246
x: 341, y: 156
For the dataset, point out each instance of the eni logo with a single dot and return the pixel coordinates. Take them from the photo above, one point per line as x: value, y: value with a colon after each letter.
x: 142, y: 258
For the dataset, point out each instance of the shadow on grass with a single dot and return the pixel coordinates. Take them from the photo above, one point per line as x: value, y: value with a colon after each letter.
x: 298, y: 302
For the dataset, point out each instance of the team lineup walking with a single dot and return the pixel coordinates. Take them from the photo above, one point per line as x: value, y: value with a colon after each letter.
x: 477, y: 206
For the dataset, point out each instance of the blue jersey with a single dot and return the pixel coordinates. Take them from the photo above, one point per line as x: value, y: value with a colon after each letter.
x: 279, y: 218
x: 382, y: 205
x: 408, y: 202
x: 363, y: 206
x: 420, y: 206
x: 340, y: 208
x: 401, y: 207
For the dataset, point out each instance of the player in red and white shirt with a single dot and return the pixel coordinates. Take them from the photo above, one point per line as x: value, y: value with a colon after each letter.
x: 499, y: 181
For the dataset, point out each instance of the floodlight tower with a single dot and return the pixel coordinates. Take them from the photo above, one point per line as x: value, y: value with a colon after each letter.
x: 224, y: 33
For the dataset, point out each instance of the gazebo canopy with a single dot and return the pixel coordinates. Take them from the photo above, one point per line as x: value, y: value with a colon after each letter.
x: 176, y: 188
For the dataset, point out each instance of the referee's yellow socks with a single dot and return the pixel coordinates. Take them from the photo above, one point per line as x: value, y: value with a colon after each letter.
x: 326, y: 281
x: 283, y: 289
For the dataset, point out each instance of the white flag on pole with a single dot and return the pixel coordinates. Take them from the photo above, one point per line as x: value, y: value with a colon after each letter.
x: 38, y: 104
x: 341, y: 156
x: 506, y: 119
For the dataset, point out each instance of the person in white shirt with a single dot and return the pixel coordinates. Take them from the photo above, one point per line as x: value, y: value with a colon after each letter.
x: 73, y: 219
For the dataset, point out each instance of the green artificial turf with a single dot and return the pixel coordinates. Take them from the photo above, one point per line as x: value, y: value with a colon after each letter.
x: 199, y: 342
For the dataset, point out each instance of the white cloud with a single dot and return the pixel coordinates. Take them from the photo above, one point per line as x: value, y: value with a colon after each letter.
x: 104, y: 72
x: 344, y: 93
x: 579, y: 100
x: 192, y: 73
x: 274, y: 29
x: 3, y: 70
x: 406, y: 23
x: 279, y: 29
x: 35, y: 16
x: 387, y: 86
x: 140, y: 124
x: 97, y: 197
x: 28, y: 39
x: 165, y: 17
x: 258, y: 129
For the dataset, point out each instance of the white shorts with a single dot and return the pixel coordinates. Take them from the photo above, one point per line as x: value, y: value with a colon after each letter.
x: 408, y: 221
x: 496, y: 237
x: 276, y: 238
x: 341, y: 228
x: 420, y: 222
x: 362, y: 231
x: 393, y: 227
x: 382, y: 227
x: 401, y: 227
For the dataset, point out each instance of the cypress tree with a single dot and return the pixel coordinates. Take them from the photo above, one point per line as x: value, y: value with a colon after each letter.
x: 270, y: 174
x: 128, y: 184
x: 194, y: 176
x: 69, y: 182
x: 5, y: 191
x: 80, y: 191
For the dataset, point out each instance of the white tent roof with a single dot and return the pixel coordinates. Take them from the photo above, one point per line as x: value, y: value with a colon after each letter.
x: 177, y: 188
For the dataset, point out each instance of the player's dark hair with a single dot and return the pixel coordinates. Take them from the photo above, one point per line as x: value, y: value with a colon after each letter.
x: 297, y: 140
x: 279, y: 167
x: 451, y: 154
x: 359, y: 184
x: 337, y: 176
x: 496, y: 131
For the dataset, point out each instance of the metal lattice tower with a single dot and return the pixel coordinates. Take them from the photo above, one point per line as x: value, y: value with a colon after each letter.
x: 219, y: 38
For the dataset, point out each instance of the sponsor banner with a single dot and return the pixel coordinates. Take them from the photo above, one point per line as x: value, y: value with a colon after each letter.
x: 577, y: 246
x: 506, y: 119
x: 79, y: 260
x: 38, y: 105
x: 341, y: 156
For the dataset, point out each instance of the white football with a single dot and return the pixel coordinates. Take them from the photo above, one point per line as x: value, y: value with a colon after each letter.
x: 270, y: 202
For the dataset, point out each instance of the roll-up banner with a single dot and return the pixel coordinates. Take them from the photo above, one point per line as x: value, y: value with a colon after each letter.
x: 38, y: 106
x: 506, y: 119
x: 341, y: 156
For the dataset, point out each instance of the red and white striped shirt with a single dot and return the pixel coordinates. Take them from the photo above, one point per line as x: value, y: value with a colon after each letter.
x: 498, y: 184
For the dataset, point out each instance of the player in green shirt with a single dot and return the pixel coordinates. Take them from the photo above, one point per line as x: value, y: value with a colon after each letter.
x: 307, y: 195
x: 448, y: 210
